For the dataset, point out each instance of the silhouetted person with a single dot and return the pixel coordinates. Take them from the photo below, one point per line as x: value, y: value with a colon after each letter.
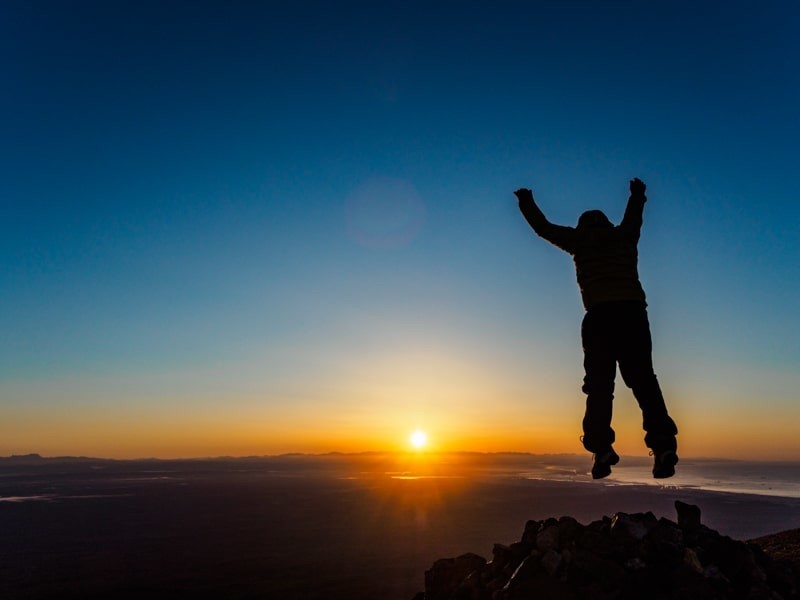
x: 615, y: 328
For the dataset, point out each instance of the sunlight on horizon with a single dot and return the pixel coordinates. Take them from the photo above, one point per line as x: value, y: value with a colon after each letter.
x: 418, y: 439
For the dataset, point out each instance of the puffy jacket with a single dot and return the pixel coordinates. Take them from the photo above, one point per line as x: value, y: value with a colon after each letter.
x: 606, y: 256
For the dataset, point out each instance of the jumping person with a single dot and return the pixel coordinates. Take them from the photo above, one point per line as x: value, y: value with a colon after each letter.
x: 615, y: 329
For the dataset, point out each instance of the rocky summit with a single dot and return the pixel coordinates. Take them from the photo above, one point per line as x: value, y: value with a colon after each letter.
x: 626, y: 556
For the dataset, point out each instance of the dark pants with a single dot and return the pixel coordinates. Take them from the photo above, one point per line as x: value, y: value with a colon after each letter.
x: 619, y: 333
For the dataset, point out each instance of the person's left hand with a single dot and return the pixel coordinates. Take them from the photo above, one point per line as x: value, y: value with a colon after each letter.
x: 524, y: 195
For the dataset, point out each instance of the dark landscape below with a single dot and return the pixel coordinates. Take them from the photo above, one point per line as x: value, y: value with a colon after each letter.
x: 336, y: 526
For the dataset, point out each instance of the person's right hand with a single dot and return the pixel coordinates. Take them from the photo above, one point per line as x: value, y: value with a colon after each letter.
x: 524, y: 195
x: 637, y: 187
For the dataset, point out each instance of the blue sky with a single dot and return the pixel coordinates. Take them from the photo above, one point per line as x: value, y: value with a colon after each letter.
x: 295, y: 220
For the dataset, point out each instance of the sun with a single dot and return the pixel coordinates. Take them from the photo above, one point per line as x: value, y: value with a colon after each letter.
x: 418, y: 439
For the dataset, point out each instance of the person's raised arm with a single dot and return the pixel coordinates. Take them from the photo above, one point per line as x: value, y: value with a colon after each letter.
x: 558, y: 235
x: 632, y: 221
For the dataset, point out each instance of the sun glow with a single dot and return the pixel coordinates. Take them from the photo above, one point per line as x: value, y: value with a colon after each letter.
x: 418, y: 439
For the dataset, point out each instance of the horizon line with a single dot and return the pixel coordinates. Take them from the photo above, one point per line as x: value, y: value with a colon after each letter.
x: 363, y: 453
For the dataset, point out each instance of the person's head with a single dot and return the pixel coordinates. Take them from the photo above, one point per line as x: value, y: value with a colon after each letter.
x: 593, y: 219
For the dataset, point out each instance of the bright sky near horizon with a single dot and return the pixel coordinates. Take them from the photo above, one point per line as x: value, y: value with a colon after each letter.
x: 260, y: 227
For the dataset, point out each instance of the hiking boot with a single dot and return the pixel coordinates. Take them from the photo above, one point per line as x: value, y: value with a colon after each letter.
x: 603, y: 461
x: 664, y: 463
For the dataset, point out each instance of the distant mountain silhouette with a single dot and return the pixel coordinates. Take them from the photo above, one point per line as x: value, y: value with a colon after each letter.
x: 625, y: 556
x: 22, y: 459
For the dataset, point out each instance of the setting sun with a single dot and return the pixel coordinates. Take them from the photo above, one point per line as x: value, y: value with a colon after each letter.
x: 418, y: 439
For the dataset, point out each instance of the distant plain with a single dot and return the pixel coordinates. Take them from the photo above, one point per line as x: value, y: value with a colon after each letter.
x: 332, y: 526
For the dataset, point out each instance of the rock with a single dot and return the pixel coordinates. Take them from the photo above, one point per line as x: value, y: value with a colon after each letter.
x: 631, y: 528
x: 469, y: 589
x: 531, y: 530
x: 551, y: 561
x: 547, y: 538
x: 592, y: 569
x: 518, y: 551
x: 688, y: 516
x: 501, y: 555
x: 713, y: 572
x: 446, y: 574
x: 635, y: 564
x: 691, y: 560
x: 569, y: 530
x: 627, y: 556
x: 600, y: 543
x: 664, y: 543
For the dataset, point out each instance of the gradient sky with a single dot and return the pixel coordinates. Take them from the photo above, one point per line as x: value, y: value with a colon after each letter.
x: 262, y: 227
